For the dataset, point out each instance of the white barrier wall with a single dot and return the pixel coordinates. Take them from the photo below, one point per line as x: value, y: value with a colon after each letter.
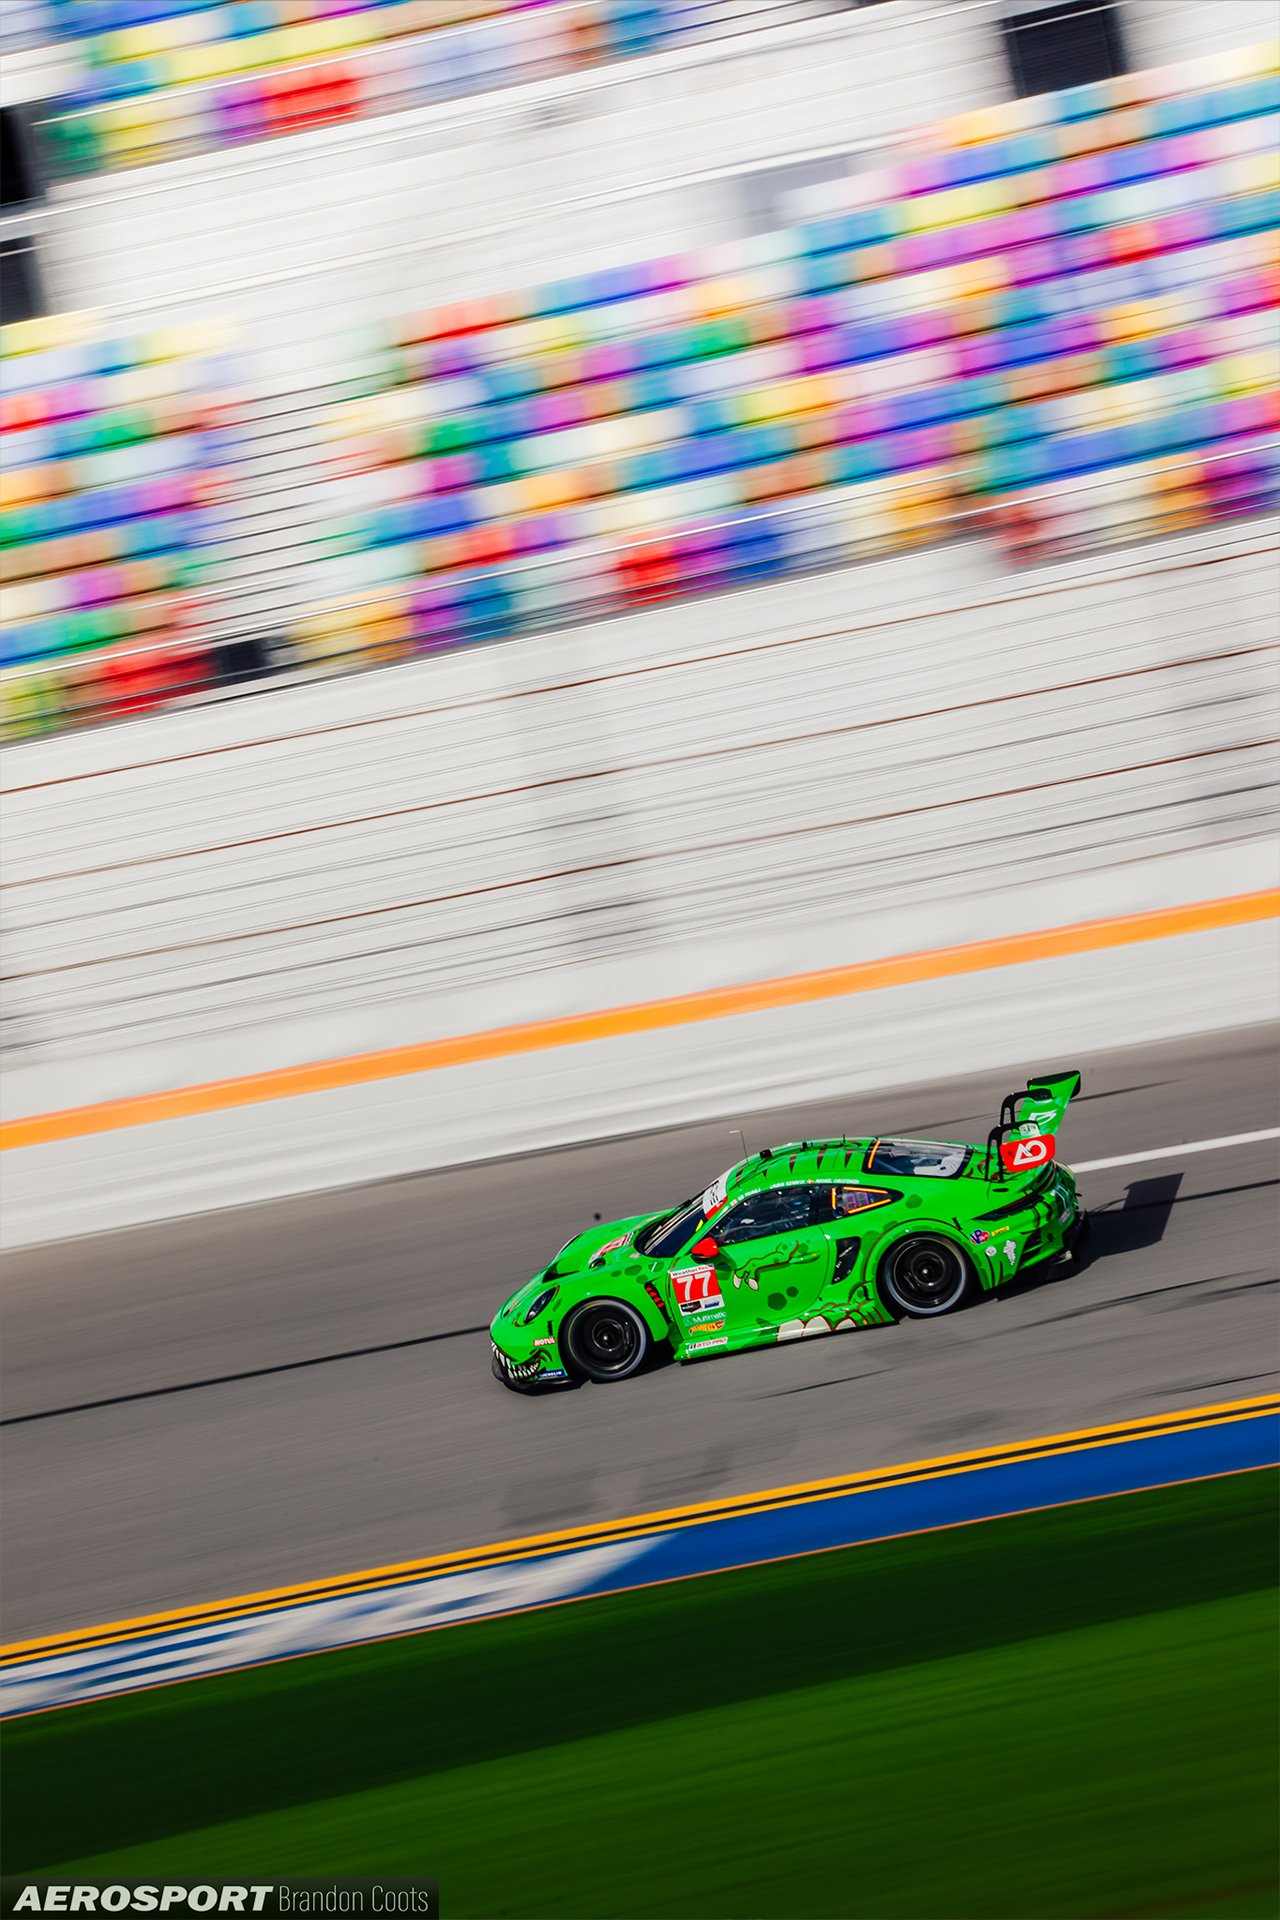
x: 906, y: 756
x: 1015, y: 1017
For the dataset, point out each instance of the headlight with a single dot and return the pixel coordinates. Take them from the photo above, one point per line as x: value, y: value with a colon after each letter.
x: 540, y: 1305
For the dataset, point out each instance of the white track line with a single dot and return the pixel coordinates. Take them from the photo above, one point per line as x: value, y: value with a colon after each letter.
x: 1174, y: 1153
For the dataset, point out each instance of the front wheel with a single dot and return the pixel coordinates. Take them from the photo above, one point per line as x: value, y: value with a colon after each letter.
x: 924, y: 1276
x: 605, y: 1340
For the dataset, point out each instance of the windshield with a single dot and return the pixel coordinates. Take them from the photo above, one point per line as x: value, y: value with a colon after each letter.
x: 668, y: 1235
x: 941, y: 1159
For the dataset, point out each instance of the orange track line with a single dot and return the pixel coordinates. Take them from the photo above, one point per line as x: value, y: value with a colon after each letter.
x: 715, y: 1003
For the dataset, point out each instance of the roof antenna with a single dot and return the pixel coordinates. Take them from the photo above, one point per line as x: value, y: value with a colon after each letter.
x: 738, y: 1131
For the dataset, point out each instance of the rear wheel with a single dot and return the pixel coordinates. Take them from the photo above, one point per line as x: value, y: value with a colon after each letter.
x: 924, y: 1276
x: 605, y: 1340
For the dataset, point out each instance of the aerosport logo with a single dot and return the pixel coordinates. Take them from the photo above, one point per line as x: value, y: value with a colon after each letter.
x: 354, y: 1896
x: 71, y: 1898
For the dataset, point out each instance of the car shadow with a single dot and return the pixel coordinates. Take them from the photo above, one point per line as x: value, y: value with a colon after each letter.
x: 1139, y: 1221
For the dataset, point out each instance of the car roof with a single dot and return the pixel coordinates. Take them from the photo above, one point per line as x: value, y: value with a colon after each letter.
x: 803, y: 1160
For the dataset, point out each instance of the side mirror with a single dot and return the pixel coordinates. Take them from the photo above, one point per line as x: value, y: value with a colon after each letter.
x: 706, y: 1248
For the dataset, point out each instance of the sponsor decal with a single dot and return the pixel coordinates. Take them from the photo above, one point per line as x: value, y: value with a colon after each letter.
x: 1032, y: 1150
x: 979, y: 1236
x: 700, y: 1346
x: 1010, y: 1252
x: 611, y: 1246
x: 554, y: 1373
x: 712, y: 1304
x: 991, y: 1253
x: 707, y: 1326
x: 716, y: 1194
x: 547, y: 1340
x: 694, y: 1286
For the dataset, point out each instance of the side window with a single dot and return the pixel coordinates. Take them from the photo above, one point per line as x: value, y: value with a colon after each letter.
x: 782, y: 1210
x: 836, y: 1203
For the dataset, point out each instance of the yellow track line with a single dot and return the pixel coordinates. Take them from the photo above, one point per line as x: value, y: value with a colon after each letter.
x: 715, y: 1003
x: 665, y: 1520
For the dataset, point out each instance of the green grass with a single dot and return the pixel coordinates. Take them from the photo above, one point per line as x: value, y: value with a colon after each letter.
x: 1069, y: 1713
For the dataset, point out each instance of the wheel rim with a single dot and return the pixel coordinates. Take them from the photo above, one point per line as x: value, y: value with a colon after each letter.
x: 926, y: 1275
x: 606, y: 1340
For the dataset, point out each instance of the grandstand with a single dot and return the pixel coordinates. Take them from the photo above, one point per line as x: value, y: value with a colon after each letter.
x: 325, y: 349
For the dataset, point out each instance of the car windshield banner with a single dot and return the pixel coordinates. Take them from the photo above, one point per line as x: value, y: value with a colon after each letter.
x: 716, y: 1195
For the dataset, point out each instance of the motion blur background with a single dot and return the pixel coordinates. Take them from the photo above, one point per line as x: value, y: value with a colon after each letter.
x: 518, y: 509
x: 577, y: 575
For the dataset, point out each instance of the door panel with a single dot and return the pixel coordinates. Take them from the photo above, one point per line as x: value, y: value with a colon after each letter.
x: 772, y: 1263
x: 773, y: 1280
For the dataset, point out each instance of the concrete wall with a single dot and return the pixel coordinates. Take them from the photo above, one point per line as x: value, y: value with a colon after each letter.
x: 907, y: 756
x: 1026, y: 1017
x: 911, y: 754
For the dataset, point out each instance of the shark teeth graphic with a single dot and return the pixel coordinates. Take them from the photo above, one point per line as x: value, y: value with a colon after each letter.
x: 523, y: 1372
x: 817, y: 1323
x: 805, y: 1329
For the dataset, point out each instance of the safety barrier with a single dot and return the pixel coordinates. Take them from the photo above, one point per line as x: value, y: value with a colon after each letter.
x: 125, y: 1656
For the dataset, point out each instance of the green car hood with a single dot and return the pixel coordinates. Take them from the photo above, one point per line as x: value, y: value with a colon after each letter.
x: 607, y: 1245
x: 601, y: 1249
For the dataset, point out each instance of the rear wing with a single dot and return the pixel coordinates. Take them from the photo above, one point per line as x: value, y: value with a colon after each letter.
x: 1029, y: 1121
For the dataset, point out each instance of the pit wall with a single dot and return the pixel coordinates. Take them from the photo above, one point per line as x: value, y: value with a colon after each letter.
x: 989, y: 809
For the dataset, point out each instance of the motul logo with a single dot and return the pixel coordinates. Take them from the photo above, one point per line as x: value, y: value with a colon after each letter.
x: 1020, y: 1156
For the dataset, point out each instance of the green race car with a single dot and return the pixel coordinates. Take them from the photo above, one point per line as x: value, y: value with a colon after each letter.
x: 818, y: 1236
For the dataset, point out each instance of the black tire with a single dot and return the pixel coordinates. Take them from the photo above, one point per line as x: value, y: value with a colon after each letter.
x: 605, y: 1340
x: 924, y: 1276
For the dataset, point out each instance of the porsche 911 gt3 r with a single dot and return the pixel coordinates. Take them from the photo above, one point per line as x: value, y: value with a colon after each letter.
x: 818, y: 1236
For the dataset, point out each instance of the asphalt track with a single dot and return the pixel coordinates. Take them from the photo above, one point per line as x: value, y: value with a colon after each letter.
x: 283, y: 1392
